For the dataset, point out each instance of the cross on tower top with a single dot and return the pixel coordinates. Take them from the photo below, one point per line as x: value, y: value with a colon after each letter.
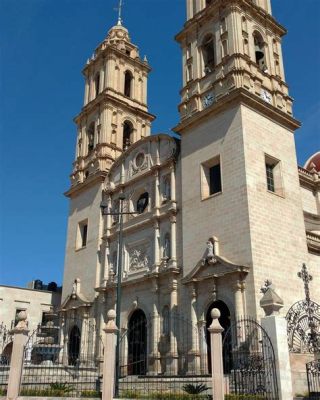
x: 306, y: 278
x: 120, y: 12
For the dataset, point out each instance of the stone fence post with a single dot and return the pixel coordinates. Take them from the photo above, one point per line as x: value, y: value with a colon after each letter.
x: 276, y: 328
x: 20, y: 338
x: 109, y: 357
x: 216, y: 330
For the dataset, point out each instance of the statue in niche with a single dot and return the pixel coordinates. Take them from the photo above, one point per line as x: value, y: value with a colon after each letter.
x: 167, y: 247
x: 166, y: 189
x: 209, y: 255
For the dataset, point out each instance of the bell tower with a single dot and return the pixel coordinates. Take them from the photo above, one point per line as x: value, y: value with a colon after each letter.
x: 115, y: 112
x: 114, y: 116
x: 229, y: 46
x: 238, y: 161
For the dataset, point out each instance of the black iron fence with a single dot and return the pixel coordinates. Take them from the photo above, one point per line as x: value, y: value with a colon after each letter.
x: 313, y: 375
x: 63, y: 358
x: 163, y: 357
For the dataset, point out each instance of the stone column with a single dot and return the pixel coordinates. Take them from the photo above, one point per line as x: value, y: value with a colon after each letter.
x: 173, y: 220
x: 86, y: 92
x: 156, y: 247
x: 173, y: 182
x: 216, y: 330
x: 172, y: 366
x: 16, y: 364
x: 203, y: 348
x: 276, y: 328
x: 154, y: 356
x: 238, y: 298
x: 156, y: 189
x: 193, y: 354
x: 109, y: 356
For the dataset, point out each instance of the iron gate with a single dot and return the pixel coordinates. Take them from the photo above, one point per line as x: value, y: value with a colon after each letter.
x: 5, y: 356
x: 62, y: 358
x: 249, y: 361
x: 161, y: 357
x: 313, y: 374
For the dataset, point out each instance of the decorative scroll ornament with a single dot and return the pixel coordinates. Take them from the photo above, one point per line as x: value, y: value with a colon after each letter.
x: 139, y: 259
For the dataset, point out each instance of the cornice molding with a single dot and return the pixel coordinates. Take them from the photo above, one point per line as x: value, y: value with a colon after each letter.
x: 97, y: 178
x: 237, y: 97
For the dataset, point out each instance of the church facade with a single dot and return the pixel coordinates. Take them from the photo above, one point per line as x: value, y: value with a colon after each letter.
x: 207, y: 217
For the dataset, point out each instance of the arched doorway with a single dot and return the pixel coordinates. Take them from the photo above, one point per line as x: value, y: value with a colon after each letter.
x: 224, y: 322
x: 137, y: 344
x: 74, y: 345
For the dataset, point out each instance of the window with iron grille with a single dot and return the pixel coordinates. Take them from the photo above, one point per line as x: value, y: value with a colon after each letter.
x: 273, y: 175
x: 270, y: 177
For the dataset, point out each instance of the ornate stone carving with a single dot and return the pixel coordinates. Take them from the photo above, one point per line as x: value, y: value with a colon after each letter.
x: 139, y: 258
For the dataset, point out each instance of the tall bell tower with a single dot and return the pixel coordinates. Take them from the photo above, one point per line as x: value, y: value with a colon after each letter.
x: 114, y: 116
x: 238, y: 160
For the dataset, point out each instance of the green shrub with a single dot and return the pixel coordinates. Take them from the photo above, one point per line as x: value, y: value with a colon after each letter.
x: 90, y: 393
x: 3, y: 392
x: 244, y: 397
x: 131, y: 394
x: 55, y: 390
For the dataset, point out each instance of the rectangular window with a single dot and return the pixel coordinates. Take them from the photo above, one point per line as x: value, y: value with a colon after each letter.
x: 215, y: 179
x: 211, y: 182
x: 82, y: 234
x: 273, y: 175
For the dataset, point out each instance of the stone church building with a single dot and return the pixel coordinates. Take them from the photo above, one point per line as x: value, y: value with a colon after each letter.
x: 207, y: 217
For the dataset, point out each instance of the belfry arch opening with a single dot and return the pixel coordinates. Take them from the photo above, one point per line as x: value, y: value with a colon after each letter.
x: 90, y: 137
x: 137, y: 343
x: 74, y: 345
x: 127, y: 134
x: 128, y: 84
x: 259, y: 51
x: 208, y: 53
x: 224, y: 321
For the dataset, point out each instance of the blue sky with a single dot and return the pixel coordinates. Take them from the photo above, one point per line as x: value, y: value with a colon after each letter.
x: 44, y: 45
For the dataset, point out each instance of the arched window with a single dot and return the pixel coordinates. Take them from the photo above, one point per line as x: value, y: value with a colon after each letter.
x: 142, y: 202
x: 74, y: 346
x: 90, y: 135
x: 208, y: 53
x: 127, y: 83
x: 127, y: 135
x: 167, y: 246
x: 259, y: 49
x: 97, y: 84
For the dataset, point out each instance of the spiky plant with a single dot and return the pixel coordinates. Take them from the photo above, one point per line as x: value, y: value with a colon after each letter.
x: 190, y: 388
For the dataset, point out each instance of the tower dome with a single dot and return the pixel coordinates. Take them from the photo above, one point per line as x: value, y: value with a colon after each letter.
x: 313, y: 162
x: 118, y: 33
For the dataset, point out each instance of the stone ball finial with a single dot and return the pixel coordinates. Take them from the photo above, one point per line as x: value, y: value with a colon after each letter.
x: 215, y: 313
x: 111, y: 315
x: 22, y: 316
